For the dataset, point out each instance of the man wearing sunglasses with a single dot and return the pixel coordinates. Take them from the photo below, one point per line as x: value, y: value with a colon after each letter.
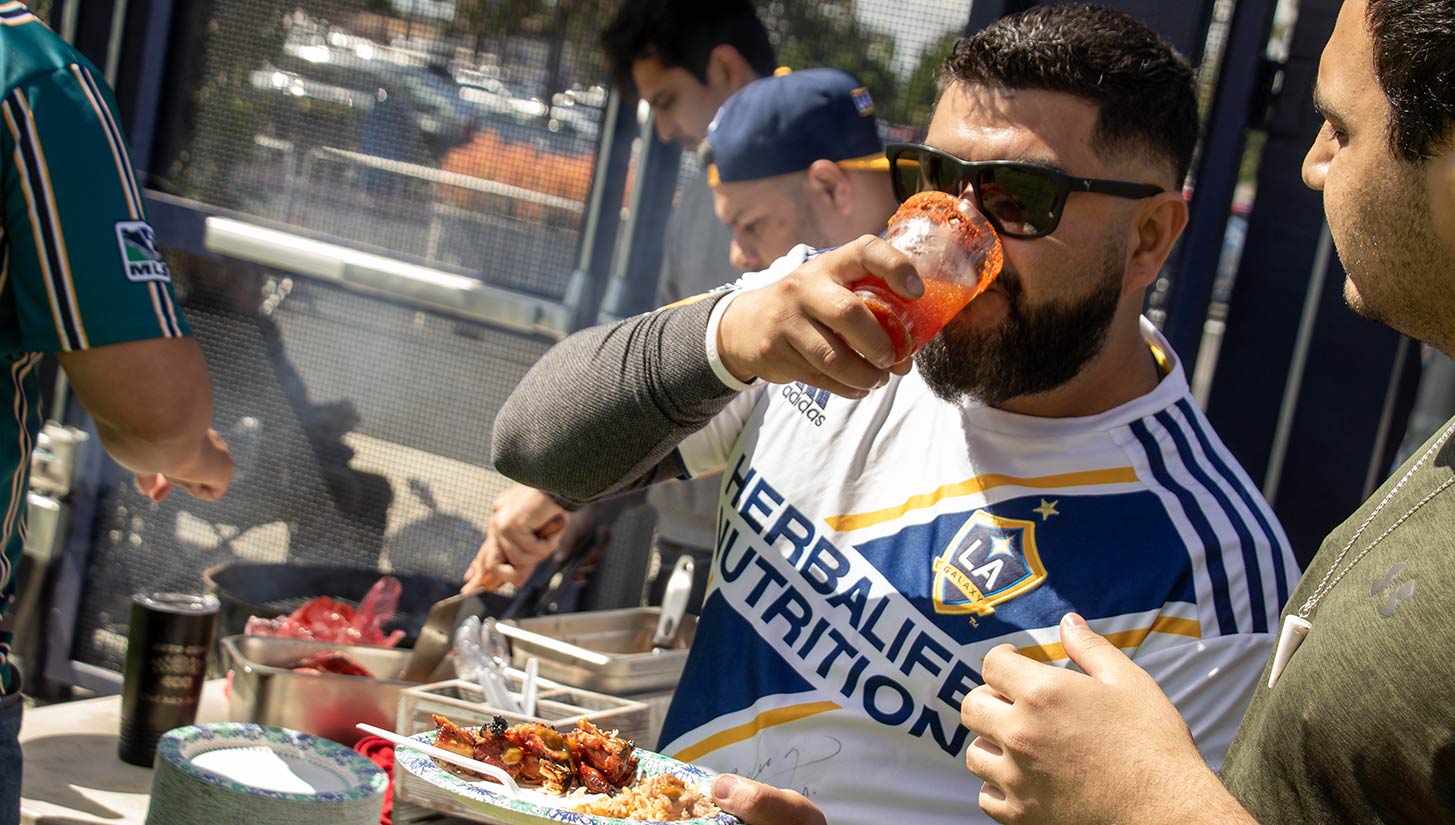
x: 1353, y: 719
x: 882, y: 526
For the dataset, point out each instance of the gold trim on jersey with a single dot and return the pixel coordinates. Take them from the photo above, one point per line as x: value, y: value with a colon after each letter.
x: 18, y: 20
x: 45, y: 221
x: 161, y: 299
x: 1125, y: 639
x: 23, y: 170
x: 980, y: 484
x: 20, y: 405
x: 747, y: 730
x: 112, y: 133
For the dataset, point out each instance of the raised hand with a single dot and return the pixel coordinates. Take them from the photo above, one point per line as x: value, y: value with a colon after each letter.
x: 757, y: 804
x: 524, y: 528
x: 206, y: 477
x: 1103, y: 746
x: 810, y: 326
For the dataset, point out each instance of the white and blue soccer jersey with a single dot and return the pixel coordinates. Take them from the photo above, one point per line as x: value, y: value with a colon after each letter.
x: 871, y: 552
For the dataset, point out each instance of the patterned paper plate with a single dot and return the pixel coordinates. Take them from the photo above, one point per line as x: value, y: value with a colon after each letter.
x: 534, y: 807
x: 271, y: 762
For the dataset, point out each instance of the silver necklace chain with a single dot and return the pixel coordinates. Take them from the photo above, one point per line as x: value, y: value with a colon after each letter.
x: 1325, y: 585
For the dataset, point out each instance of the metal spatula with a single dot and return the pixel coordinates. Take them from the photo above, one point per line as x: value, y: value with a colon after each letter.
x: 437, y: 635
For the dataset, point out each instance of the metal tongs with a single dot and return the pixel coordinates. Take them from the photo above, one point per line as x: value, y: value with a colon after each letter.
x: 674, y: 604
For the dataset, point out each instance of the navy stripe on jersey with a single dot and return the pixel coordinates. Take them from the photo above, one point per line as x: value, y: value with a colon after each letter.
x: 1277, y: 547
x: 47, y: 221
x: 1222, y: 602
x: 1245, y: 539
x: 118, y: 144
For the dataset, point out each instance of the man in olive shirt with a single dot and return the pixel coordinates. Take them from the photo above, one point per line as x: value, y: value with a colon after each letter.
x: 1354, y: 717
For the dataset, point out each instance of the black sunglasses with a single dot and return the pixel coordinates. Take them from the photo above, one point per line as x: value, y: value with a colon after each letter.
x: 1022, y: 200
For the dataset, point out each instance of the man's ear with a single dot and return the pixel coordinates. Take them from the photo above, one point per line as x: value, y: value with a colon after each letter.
x: 1157, y: 223
x: 828, y: 182
x: 727, y: 69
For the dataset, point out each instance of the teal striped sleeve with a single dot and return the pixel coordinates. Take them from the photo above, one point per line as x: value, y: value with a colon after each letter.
x: 84, y: 263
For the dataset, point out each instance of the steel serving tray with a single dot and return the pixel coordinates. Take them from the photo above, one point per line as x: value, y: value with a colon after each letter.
x: 266, y: 691
x: 608, y: 651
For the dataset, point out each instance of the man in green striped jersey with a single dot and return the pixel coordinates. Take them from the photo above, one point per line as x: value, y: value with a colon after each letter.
x: 81, y: 276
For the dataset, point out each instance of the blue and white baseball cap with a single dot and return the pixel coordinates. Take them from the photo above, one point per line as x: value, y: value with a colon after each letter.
x: 782, y: 124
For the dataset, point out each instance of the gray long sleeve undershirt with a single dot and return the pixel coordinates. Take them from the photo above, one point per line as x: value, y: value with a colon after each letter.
x: 604, y: 410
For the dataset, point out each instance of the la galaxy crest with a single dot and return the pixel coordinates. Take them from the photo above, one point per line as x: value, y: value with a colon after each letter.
x: 990, y: 560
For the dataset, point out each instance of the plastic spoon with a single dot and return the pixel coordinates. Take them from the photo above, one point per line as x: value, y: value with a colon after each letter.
x: 528, y: 687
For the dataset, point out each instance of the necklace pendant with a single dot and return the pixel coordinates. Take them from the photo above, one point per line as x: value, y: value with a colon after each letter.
x: 1295, y: 630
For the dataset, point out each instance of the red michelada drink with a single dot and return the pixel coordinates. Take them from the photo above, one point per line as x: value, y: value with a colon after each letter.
x: 955, y: 252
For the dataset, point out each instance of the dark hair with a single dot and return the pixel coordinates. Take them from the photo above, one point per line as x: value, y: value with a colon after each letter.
x: 683, y: 33
x: 1414, y: 60
x: 1144, y: 89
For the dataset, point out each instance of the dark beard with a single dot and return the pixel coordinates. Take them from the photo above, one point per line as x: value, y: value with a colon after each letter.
x: 1036, y: 350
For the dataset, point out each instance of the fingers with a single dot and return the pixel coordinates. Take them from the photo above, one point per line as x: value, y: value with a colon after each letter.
x: 801, y: 329
x: 891, y: 266
x: 207, y: 478
x: 202, y: 491
x: 520, y: 546
x: 994, y: 803
x: 828, y: 362
x: 496, y: 567
x: 480, y: 574
x: 472, y: 575
x: 523, y: 529
x: 811, y: 326
x: 757, y: 804
x: 154, y: 486
x: 982, y: 710
x: 1091, y: 652
x: 989, y: 763
x: 1010, y: 674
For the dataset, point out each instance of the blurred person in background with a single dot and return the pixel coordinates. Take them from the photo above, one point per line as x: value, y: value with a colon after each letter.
x: 82, y: 277
x: 1353, y: 719
x: 884, y: 524
x: 797, y: 159
x: 685, y: 59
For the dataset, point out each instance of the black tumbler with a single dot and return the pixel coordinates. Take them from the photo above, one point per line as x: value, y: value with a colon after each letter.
x: 166, y: 663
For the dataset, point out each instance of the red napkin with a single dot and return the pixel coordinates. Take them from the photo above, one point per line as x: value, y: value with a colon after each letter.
x: 381, y: 753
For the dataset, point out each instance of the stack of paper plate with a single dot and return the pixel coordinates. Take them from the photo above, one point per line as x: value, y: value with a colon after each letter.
x: 271, y: 775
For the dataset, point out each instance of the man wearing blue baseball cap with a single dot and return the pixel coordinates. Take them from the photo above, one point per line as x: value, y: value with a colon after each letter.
x: 797, y: 159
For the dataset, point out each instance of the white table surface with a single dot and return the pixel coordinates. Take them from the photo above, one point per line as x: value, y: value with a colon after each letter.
x: 72, y: 773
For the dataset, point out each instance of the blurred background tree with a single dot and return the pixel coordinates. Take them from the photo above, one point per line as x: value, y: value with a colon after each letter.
x: 811, y: 33
x: 918, y: 93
